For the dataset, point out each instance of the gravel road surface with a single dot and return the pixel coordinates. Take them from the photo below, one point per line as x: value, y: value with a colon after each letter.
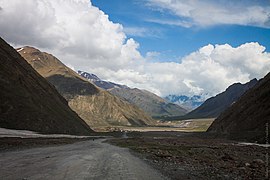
x: 82, y: 160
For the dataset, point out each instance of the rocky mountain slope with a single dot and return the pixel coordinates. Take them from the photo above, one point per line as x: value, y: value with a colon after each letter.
x: 147, y: 101
x: 29, y: 102
x: 213, y: 106
x: 97, y: 107
x: 247, y: 118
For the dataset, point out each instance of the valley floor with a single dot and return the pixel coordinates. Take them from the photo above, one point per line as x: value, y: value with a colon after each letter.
x: 190, y: 125
x: 196, y: 156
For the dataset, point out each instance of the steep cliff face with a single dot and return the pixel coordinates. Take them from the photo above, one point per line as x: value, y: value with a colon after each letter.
x: 96, y: 106
x: 29, y: 102
x: 247, y: 118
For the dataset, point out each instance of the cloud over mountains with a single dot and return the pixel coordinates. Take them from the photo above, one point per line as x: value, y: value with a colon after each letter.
x: 83, y: 37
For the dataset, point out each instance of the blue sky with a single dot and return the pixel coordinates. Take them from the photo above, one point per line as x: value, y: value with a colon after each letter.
x: 174, y: 41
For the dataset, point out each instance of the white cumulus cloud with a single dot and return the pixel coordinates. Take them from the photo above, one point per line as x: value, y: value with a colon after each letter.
x: 84, y: 38
x: 210, y: 70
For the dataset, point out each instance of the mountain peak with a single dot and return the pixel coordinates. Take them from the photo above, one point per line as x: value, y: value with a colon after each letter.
x: 91, y: 77
x: 106, y: 85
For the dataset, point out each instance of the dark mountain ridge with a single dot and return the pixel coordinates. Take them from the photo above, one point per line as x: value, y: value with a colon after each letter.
x: 29, y: 102
x: 249, y: 117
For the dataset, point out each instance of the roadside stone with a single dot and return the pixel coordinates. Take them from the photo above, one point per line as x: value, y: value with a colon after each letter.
x: 242, y: 168
x: 247, y: 164
x: 226, y: 176
x: 258, y: 161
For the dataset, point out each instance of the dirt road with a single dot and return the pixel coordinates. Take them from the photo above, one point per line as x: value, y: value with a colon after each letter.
x: 82, y: 160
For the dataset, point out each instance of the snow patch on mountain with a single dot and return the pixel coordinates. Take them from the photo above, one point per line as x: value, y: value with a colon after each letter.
x: 188, y: 102
x: 18, y: 50
x: 100, y: 83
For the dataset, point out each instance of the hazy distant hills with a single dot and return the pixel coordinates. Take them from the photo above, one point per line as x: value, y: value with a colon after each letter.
x: 246, y: 119
x: 96, y: 106
x: 147, y: 101
x: 187, y: 102
x: 213, y: 106
x: 29, y: 102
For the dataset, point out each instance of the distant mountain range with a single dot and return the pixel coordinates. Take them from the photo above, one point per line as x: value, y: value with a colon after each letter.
x: 96, y: 106
x: 213, y: 106
x: 147, y: 101
x: 29, y: 102
x: 187, y: 102
x: 248, y: 118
